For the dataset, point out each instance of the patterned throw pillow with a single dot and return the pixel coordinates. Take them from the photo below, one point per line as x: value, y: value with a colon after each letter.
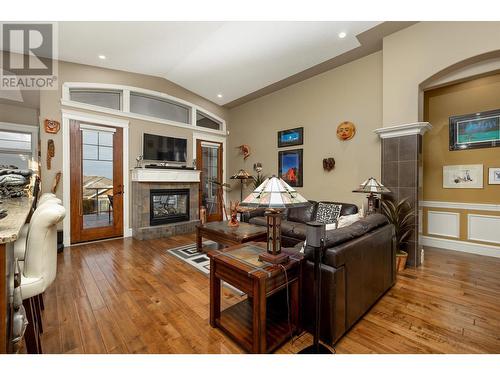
x: 328, y: 213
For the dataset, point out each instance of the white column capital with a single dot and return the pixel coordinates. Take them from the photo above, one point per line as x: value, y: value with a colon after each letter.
x: 414, y: 128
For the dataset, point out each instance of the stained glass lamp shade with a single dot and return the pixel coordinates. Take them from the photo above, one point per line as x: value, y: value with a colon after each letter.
x: 371, y: 187
x: 241, y: 175
x: 275, y: 195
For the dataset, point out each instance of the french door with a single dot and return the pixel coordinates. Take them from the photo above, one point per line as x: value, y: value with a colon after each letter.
x: 209, y: 162
x: 96, y: 181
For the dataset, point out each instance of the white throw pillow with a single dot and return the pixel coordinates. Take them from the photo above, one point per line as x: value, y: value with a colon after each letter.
x: 347, y: 220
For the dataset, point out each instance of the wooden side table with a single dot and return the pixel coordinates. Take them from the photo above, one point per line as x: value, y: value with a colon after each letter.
x: 260, y: 323
x: 220, y: 232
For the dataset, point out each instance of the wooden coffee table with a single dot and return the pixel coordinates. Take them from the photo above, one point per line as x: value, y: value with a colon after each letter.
x: 220, y: 232
x: 259, y: 323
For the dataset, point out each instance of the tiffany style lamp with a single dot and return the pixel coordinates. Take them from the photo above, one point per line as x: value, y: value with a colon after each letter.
x: 372, y: 187
x: 275, y: 195
x: 241, y: 175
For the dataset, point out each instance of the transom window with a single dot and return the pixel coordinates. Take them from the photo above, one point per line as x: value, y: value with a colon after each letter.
x: 160, y: 108
x: 205, y: 121
x: 141, y: 104
x: 101, y: 98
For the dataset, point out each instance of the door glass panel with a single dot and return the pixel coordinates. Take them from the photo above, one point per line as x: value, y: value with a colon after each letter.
x: 97, y: 179
x: 210, y: 163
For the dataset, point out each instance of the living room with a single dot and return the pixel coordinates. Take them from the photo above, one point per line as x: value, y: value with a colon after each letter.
x: 251, y: 187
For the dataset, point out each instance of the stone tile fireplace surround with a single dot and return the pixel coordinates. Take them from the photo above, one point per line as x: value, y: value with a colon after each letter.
x: 145, y: 180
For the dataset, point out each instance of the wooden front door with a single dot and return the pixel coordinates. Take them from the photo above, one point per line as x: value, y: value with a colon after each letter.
x: 209, y: 162
x: 96, y: 178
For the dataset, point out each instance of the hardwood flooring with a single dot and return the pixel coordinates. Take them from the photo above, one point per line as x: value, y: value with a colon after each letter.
x: 128, y: 296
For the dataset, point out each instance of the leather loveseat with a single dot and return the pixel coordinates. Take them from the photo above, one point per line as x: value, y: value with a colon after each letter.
x: 357, y: 268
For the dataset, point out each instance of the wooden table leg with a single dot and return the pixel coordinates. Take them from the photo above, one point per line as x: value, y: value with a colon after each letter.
x: 214, y: 295
x: 259, y: 316
x: 198, y: 240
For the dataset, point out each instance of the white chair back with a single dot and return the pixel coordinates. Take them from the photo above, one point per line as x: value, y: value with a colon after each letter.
x: 40, y: 260
x: 44, y: 197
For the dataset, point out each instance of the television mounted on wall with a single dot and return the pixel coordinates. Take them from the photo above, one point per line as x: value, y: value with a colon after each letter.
x: 165, y: 149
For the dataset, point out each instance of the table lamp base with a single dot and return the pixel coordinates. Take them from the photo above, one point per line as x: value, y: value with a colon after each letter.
x: 273, y: 258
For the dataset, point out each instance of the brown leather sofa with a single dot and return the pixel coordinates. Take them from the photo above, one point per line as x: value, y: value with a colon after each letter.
x: 293, y: 220
x: 357, y: 268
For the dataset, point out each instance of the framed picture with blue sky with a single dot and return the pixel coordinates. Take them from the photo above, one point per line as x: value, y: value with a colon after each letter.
x: 291, y: 137
x: 290, y: 167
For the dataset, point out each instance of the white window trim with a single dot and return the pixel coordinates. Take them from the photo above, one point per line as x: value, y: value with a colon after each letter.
x: 125, y: 111
x: 68, y: 115
x: 21, y: 128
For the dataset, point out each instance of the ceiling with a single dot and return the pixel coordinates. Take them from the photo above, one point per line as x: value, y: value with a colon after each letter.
x: 230, y: 59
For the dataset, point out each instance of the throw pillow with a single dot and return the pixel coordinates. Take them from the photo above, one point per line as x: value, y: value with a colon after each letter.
x: 328, y: 213
x: 347, y: 220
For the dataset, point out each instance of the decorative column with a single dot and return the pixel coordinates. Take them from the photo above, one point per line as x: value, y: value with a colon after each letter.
x: 402, y: 173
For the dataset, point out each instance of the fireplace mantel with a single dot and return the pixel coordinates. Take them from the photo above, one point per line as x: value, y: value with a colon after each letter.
x: 165, y: 175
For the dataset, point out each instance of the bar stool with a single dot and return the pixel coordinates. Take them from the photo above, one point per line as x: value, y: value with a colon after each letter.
x: 20, y: 243
x: 45, y: 196
x: 38, y: 270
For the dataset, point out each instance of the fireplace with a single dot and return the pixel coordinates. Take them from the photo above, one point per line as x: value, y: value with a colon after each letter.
x: 168, y: 206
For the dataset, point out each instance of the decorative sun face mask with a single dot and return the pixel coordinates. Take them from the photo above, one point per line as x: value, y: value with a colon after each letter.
x: 346, y: 130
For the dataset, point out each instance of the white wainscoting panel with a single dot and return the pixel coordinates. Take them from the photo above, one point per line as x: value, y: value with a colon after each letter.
x: 483, y: 228
x: 442, y: 223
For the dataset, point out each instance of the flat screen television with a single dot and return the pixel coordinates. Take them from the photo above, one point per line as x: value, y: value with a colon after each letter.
x: 167, y: 149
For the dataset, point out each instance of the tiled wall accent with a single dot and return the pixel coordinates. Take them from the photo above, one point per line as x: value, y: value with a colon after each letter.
x: 402, y: 167
x: 140, y: 211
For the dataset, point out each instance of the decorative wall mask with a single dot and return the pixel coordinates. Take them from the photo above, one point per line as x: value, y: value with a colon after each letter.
x: 346, y: 131
x: 52, y: 126
x: 55, y: 184
x: 245, y: 150
x: 51, y: 152
x: 328, y: 164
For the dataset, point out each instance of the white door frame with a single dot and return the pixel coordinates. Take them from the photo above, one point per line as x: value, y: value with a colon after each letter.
x: 214, y: 138
x: 68, y: 115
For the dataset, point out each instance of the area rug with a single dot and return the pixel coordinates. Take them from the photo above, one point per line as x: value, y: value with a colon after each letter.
x: 199, y: 260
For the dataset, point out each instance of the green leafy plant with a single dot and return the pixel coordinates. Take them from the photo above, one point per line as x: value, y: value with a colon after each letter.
x: 401, y: 216
x: 257, y: 181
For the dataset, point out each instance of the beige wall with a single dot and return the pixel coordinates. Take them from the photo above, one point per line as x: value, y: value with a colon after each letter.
x: 470, y: 97
x: 351, y: 92
x: 50, y: 108
x: 418, y: 52
x: 18, y: 115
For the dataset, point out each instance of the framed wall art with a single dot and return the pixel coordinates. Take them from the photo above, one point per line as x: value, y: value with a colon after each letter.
x: 291, y: 137
x: 290, y: 167
x: 463, y: 176
x: 494, y: 176
x: 476, y: 130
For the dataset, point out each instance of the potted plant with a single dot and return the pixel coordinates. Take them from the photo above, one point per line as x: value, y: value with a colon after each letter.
x: 401, y: 216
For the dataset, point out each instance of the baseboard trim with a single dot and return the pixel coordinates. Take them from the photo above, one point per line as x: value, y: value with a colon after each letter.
x: 463, y: 246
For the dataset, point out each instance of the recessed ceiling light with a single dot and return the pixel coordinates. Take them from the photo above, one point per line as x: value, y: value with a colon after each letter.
x: 102, y: 57
x: 219, y: 95
x: 342, y: 35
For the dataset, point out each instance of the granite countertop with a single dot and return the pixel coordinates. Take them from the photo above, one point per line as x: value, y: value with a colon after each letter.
x: 18, y: 210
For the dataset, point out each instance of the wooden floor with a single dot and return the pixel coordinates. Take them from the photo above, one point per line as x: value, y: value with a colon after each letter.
x: 127, y: 296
